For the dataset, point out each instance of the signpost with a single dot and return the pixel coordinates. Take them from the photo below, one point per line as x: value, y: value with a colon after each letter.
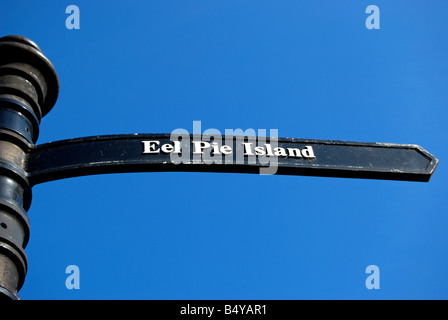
x: 29, y: 88
x: 157, y: 152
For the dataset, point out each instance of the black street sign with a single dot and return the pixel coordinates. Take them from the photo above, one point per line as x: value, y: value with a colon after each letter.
x: 287, y: 156
x: 29, y: 87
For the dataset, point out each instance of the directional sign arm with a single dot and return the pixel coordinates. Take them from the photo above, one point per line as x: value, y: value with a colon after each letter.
x: 126, y: 153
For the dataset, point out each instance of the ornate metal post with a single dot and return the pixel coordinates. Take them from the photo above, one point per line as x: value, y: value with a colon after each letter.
x: 29, y: 88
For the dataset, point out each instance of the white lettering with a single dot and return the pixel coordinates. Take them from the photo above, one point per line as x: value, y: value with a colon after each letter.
x: 149, y: 146
x: 248, y: 149
x: 215, y: 147
x: 294, y: 152
x: 225, y: 149
x: 308, y: 152
x: 269, y: 150
x: 176, y: 147
x: 259, y: 151
x: 199, y: 146
x: 215, y: 150
x: 167, y: 148
x: 197, y: 310
x: 279, y: 152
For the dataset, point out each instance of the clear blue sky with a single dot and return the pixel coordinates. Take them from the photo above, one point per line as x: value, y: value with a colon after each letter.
x: 310, y: 69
